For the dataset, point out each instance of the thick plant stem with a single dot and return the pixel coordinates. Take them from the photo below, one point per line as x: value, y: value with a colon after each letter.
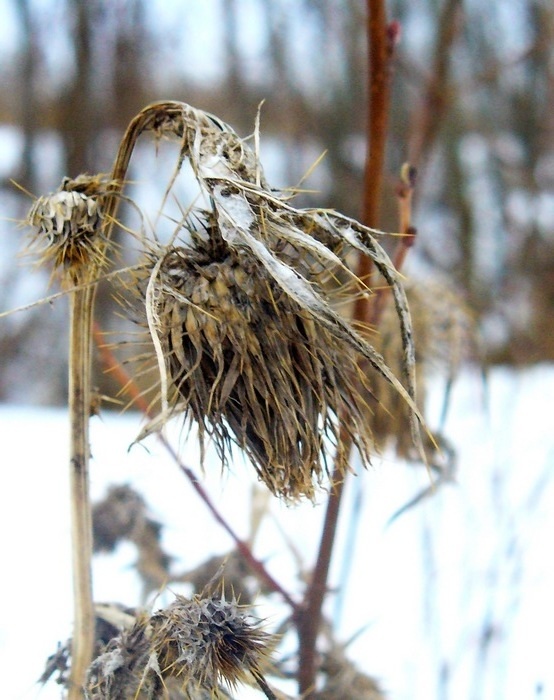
x: 81, y: 520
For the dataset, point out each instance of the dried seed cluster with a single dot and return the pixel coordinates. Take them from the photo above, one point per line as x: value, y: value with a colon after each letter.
x: 69, y: 224
x: 252, y: 366
x: 208, y: 641
x: 125, y: 670
x: 193, y: 646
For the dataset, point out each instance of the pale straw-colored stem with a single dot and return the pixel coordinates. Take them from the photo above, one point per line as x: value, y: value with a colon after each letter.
x: 81, y: 303
x: 80, y: 343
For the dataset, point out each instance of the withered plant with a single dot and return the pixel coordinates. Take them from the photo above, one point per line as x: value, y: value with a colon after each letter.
x: 240, y: 308
x: 246, y: 314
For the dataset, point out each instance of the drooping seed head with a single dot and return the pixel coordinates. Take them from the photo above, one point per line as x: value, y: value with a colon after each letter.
x: 250, y: 365
x: 241, y: 311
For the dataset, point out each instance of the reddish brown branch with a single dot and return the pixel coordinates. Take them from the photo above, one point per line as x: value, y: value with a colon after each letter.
x: 382, y: 38
x: 128, y: 385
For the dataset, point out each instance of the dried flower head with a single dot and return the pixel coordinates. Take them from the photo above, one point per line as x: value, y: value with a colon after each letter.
x: 249, y: 363
x: 207, y: 641
x: 123, y: 515
x: 111, y: 619
x: 242, y: 314
x: 69, y: 224
x: 192, y: 647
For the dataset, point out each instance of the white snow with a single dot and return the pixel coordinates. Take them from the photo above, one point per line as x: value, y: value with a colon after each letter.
x: 475, y: 557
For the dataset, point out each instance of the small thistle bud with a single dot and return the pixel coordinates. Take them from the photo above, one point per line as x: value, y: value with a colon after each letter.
x: 69, y: 224
x: 208, y: 641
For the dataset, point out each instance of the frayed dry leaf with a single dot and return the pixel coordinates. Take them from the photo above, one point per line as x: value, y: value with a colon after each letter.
x: 445, y: 337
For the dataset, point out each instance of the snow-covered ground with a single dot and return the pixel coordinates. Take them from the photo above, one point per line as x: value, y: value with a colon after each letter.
x: 455, y: 595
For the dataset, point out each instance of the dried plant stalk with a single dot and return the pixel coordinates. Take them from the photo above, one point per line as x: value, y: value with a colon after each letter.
x: 81, y: 524
x: 70, y: 234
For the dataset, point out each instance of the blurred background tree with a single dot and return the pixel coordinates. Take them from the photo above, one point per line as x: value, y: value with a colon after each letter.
x: 472, y: 109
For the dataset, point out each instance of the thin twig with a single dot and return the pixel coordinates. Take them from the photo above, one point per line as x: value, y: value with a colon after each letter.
x: 436, y: 95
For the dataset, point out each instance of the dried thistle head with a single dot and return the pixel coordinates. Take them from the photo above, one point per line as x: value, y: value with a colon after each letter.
x: 249, y: 364
x: 207, y: 641
x: 241, y: 312
x: 123, y: 515
x: 189, y: 650
x: 70, y: 224
x: 111, y: 619
x: 125, y: 669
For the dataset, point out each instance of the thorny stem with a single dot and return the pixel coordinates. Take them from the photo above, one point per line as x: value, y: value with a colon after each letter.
x: 81, y: 527
x: 381, y: 38
x: 128, y: 385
